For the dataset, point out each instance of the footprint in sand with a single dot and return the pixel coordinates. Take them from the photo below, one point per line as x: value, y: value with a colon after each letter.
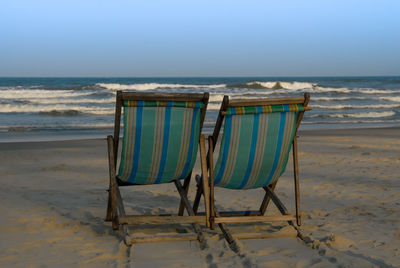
x: 338, y: 241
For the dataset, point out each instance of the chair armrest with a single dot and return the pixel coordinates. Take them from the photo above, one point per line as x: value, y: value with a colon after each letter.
x: 204, y: 174
x: 210, y: 158
x: 203, y: 158
x: 207, y: 163
x: 111, y: 158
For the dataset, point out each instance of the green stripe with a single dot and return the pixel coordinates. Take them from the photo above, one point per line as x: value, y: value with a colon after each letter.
x: 184, y: 141
x: 156, y: 142
x: 146, y: 146
x: 242, y: 151
x: 290, y: 131
x: 182, y: 104
x: 174, y: 145
x: 270, y: 149
x: 260, y: 148
x: 264, y: 109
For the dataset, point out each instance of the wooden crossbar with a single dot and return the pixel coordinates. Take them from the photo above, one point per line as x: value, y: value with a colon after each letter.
x: 150, y: 219
x: 255, y: 219
x: 236, y: 213
x: 126, y: 95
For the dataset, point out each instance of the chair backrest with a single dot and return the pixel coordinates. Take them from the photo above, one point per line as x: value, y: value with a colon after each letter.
x: 160, y: 135
x: 257, y: 138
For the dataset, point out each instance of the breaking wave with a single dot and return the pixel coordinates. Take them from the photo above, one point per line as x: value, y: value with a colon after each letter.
x: 41, y: 93
x: 31, y: 128
x: 280, y: 85
x: 55, y: 109
x: 394, y: 99
x: 67, y: 105
x: 372, y: 106
x: 153, y: 86
x: 355, y: 115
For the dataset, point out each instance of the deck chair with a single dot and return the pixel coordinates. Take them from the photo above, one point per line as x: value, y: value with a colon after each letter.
x: 254, y: 151
x: 159, y: 145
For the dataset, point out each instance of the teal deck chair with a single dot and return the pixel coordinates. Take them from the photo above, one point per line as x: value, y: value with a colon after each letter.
x: 160, y: 140
x: 257, y: 137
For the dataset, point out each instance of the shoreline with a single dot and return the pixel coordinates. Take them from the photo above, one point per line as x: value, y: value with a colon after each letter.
x: 57, y: 136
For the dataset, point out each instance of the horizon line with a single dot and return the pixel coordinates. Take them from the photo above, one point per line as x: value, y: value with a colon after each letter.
x: 214, y: 76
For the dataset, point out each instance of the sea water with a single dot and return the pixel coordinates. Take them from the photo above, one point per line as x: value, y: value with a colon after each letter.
x: 63, y: 108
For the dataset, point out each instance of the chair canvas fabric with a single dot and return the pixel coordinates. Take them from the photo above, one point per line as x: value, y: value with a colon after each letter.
x: 159, y: 141
x: 255, y: 145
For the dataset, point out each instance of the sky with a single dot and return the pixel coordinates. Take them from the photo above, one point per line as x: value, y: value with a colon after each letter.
x: 125, y: 38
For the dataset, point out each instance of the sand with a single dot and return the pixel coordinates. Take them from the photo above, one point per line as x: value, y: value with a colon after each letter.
x: 53, y: 204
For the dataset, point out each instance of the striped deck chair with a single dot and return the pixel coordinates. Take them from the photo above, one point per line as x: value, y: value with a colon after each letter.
x: 160, y: 139
x: 254, y: 151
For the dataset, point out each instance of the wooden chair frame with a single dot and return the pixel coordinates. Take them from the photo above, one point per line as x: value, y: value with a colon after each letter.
x: 115, y: 208
x: 208, y: 171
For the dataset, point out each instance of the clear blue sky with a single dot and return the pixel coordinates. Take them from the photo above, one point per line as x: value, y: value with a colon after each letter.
x: 199, y: 38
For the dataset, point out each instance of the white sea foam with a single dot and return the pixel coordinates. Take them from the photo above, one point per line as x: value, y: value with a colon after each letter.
x: 372, y: 106
x: 354, y: 121
x: 28, y: 108
x: 41, y: 93
x: 287, y: 87
x: 152, y: 86
x: 213, y: 106
x: 357, y: 115
x: 28, y: 128
x: 375, y: 91
x: 91, y: 99
x: 337, y: 98
x: 330, y: 89
x: 258, y: 92
x: 394, y: 99
x: 70, y: 101
x: 319, y: 89
x: 372, y: 114
x: 216, y: 97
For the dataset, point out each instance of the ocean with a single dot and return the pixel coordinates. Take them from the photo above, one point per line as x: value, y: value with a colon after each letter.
x: 68, y: 108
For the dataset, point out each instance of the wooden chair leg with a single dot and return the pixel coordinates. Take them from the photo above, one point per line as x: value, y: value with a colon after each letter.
x: 186, y: 184
x: 199, y: 192
x: 284, y: 211
x: 266, y: 199
x: 211, y: 176
x: 113, y: 183
x: 278, y: 203
x: 189, y: 209
x: 224, y: 229
x: 121, y: 210
x: 114, y: 207
x: 296, y: 182
x: 108, y: 215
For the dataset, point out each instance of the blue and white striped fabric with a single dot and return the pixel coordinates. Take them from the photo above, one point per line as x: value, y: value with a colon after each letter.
x: 255, y: 146
x: 160, y: 141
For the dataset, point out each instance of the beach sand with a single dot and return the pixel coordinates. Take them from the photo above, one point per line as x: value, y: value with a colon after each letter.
x: 53, y: 205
